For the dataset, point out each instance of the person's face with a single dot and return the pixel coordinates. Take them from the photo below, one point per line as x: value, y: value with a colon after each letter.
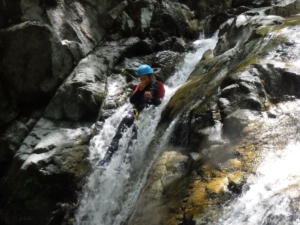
x: 145, y: 80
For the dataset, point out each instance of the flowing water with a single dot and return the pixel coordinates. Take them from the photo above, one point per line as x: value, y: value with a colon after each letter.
x: 110, y: 195
x: 272, y: 194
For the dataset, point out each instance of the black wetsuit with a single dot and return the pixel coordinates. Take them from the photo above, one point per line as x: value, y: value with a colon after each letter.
x: 140, y: 102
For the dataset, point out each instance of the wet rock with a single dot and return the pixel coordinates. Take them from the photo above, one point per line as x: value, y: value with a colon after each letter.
x: 237, y: 121
x: 205, y: 137
x: 242, y: 90
x: 10, y: 13
x: 208, y: 54
x: 44, y: 63
x: 202, y: 9
x: 76, y: 21
x: 76, y: 50
x: 284, y: 10
x: 34, y: 10
x: 241, y: 30
x: 48, y: 136
x: 158, y: 34
x: 81, y: 95
x: 229, y: 90
x: 52, y: 157
x: 116, y: 94
x: 107, y: 19
x: 168, y: 62
x: 177, y: 20
x: 173, y: 44
x: 173, y: 18
x: 235, y: 188
x: 279, y: 82
x: 115, y: 51
x: 223, y: 103
x: 213, y: 23
x: 255, y: 3
x: 63, y: 214
x: 187, y: 220
x: 165, y: 173
x: 15, y: 134
x: 128, y: 67
x: 179, y: 45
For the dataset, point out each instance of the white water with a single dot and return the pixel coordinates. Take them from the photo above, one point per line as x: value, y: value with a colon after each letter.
x: 110, y: 195
x: 273, y: 196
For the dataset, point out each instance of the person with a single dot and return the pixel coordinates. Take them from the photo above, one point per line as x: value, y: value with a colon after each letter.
x: 148, y: 92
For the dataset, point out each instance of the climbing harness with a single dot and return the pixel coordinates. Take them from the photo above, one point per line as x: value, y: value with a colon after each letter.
x: 135, y: 114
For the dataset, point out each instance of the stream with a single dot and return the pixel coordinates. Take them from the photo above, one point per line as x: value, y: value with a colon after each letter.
x: 110, y: 195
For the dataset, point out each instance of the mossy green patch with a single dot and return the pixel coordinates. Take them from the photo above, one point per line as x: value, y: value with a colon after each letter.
x: 244, y: 64
x: 263, y: 31
x: 289, y: 22
x: 274, y: 43
x: 82, y: 169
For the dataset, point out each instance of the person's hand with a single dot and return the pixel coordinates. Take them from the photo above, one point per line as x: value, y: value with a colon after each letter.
x: 142, y: 85
x: 148, y: 95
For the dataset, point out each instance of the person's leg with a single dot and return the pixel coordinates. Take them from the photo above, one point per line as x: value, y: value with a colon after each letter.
x: 131, y: 145
x: 126, y: 122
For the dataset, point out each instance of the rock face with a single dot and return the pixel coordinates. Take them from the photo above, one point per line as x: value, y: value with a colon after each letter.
x: 227, y: 110
x: 60, y: 61
x: 34, y: 74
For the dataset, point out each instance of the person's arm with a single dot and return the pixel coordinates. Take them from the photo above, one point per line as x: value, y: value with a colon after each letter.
x: 160, y: 94
x: 136, y: 95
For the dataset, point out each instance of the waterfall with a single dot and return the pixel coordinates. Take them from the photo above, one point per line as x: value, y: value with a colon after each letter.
x: 110, y: 195
x: 271, y: 195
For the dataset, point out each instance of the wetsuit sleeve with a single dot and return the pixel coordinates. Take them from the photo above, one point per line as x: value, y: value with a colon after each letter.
x: 160, y: 94
x: 161, y: 90
x: 135, y: 95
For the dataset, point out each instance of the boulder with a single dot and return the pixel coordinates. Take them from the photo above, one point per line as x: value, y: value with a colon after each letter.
x: 75, y: 21
x: 287, y: 8
x: 167, y: 62
x: 81, y: 95
x: 165, y: 174
x: 214, y: 22
x: 234, y: 34
x: 255, y: 3
x: 10, y: 13
x: 175, y: 19
x: 202, y: 9
x: 242, y: 90
x: 279, y: 82
x: 116, y: 91
x: 162, y: 19
x: 46, y: 169
x: 237, y: 121
x: 33, y: 63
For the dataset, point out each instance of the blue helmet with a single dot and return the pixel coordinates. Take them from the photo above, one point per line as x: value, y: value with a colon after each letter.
x: 144, y: 70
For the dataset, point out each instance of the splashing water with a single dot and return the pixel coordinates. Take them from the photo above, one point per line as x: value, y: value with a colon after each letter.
x: 273, y: 195
x: 269, y: 199
x: 110, y: 195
